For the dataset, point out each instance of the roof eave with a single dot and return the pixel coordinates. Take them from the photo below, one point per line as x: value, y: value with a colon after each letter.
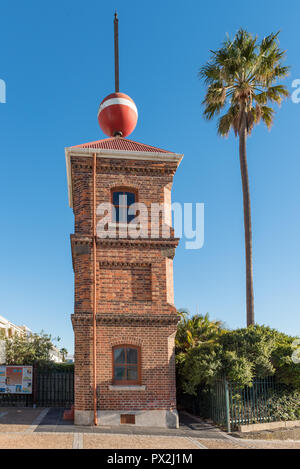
x: 124, y: 154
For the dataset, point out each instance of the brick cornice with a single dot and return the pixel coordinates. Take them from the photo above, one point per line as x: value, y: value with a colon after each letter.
x: 151, y: 243
x: 86, y: 319
x: 123, y: 162
x: 123, y: 264
x: 125, y: 169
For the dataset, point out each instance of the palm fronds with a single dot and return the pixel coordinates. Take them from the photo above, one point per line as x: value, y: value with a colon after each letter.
x: 241, y: 80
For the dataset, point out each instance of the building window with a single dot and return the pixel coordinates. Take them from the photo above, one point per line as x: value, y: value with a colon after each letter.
x: 126, y: 365
x: 122, y: 199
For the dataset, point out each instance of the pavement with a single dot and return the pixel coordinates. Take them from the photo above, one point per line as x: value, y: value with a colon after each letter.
x: 189, y: 427
x: 27, y: 428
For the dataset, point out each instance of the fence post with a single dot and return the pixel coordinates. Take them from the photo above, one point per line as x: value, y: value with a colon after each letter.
x: 227, y: 406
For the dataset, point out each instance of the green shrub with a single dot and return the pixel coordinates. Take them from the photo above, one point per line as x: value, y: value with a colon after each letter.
x: 206, y: 351
x: 284, y: 404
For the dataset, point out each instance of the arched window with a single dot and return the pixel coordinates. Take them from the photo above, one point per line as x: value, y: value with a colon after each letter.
x: 122, y: 198
x: 126, y: 364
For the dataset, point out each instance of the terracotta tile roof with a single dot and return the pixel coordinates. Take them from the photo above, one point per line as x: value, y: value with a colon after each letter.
x: 123, y: 144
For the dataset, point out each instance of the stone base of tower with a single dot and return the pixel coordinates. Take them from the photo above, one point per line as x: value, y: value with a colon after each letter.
x: 143, y: 418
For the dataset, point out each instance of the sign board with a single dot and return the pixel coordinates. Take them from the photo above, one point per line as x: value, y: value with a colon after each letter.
x: 16, y: 379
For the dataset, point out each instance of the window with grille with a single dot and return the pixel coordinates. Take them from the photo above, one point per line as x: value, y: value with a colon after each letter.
x: 126, y: 365
x: 122, y: 200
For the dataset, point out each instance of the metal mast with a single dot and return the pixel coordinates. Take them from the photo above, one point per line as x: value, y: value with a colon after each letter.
x: 116, y: 38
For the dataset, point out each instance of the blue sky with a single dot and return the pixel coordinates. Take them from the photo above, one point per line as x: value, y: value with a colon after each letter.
x: 57, y: 62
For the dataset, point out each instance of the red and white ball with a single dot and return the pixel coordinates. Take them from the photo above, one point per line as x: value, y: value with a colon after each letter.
x: 117, y: 115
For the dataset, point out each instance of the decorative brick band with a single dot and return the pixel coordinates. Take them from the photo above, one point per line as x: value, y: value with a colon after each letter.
x: 149, y: 243
x: 125, y: 319
x: 123, y: 264
x: 108, y: 169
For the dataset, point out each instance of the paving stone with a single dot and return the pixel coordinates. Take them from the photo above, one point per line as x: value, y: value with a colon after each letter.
x: 36, y: 441
x: 136, y: 442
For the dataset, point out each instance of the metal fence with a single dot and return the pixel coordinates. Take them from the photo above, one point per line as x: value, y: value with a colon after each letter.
x: 230, y: 406
x: 51, y: 388
x: 252, y: 403
x: 54, y: 389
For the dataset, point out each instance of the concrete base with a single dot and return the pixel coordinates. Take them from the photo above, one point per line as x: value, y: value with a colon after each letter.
x: 143, y: 418
x: 83, y: 417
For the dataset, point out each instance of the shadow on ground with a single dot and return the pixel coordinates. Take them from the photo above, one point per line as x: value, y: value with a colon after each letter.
x: 53, y: 422
x: 18, y: 415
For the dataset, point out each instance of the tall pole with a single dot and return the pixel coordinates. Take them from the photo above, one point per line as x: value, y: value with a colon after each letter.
x: 116, y: 37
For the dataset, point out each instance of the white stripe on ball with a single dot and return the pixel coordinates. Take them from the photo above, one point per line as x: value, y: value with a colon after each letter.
x: 123, y: 101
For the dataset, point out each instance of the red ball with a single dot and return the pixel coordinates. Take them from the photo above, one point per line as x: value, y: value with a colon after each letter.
x: 117, y: 115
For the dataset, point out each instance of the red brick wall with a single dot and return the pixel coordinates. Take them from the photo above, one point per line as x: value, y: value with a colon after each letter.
x: 157, y: 367
x: 133, y: 282
x: 134, y: 289
x: 134, y: 258
x: 152, y: 181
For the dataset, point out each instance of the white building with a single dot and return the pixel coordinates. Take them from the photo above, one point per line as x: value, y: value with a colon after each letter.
x: 55, y: 355
x: 8, y: 329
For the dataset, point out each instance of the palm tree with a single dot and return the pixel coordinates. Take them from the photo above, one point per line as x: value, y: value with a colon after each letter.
x: 64, y: 353
x: 196, y: 330
x: 241, y: 79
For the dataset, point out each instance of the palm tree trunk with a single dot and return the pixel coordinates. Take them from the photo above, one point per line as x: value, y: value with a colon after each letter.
x: 247, y: 223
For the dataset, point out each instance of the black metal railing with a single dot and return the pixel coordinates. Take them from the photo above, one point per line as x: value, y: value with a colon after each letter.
x: 230, y: 406
x: 51, y: 388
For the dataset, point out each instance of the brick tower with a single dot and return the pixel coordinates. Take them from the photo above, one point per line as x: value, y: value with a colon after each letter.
x: 135, y: 315
x: 124, y: 317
